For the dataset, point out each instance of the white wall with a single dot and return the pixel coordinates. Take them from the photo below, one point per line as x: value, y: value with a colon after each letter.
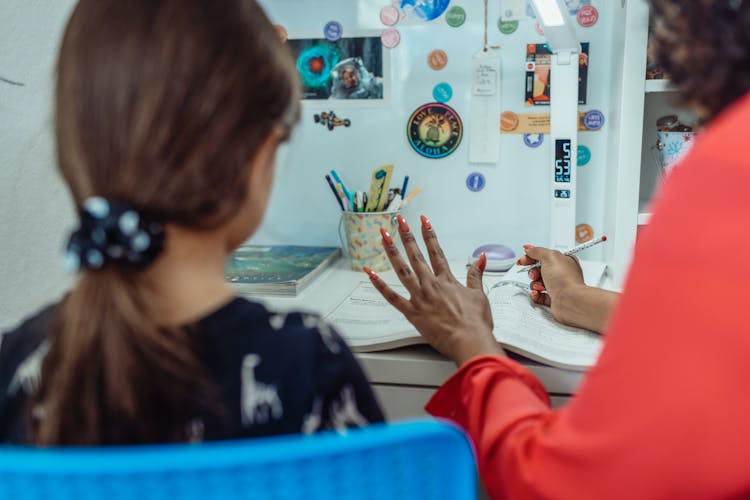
x: 35, y: 211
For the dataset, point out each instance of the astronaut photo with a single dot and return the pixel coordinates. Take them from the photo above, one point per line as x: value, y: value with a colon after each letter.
x: 351, y: 80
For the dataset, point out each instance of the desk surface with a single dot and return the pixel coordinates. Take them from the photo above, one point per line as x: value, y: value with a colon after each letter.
x: 414, y: 365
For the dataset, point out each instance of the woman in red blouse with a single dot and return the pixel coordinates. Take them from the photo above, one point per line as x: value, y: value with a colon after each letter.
x: 665, y: 413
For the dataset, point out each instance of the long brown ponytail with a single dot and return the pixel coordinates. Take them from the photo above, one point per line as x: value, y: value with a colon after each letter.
x: 160, y: 104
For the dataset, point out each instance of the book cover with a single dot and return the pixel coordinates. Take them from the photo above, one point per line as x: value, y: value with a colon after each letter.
x: 539, y: 77
x: 277, y: 269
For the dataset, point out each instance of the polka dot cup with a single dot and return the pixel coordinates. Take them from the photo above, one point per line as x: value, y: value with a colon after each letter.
x: 363, y: 239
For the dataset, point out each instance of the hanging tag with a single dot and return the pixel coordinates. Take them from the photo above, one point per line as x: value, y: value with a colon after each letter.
x: 484, y: 137
x: 513, y: 10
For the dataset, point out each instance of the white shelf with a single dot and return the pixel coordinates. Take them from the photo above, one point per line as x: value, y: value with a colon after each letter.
x: 659, y: 86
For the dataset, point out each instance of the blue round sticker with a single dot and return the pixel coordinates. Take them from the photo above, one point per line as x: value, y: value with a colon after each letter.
x: 593, y: 120
x: 584, y: 155
x: 475, y: 182
x: 442, y: 92
x: 533, y: 140
x: 333, y: 31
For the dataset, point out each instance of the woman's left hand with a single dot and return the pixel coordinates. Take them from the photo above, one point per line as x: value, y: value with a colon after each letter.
x: 455, y: 319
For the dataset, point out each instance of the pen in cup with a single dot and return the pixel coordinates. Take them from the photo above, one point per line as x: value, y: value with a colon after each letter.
x: 572, y: 251
x: 333, y: 188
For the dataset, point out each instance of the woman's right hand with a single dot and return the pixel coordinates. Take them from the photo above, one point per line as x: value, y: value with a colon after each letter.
x: 560, y: 272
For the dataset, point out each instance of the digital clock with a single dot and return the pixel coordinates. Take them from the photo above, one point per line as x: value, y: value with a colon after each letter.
x: 562, y: 160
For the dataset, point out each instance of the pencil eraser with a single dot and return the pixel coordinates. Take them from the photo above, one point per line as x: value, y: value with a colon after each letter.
x: 499, y: 257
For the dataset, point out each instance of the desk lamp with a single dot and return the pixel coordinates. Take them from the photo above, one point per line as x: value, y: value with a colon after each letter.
x: 558, y: 29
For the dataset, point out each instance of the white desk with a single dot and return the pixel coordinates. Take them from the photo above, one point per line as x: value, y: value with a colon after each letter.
x: 405, y: 378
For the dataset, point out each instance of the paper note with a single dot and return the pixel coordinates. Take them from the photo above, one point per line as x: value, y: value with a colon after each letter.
x: 484, y: 139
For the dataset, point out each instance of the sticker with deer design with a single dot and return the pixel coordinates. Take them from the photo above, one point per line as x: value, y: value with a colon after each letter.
x: 434, y: 130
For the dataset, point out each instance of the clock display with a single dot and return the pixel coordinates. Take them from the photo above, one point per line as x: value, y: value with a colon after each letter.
x: 562, y: 160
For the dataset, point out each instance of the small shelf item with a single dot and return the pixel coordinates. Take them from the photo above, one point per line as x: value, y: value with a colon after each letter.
x: 659, y: 85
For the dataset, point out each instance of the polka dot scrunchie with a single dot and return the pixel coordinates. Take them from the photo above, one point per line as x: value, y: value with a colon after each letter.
x: 113, y: 232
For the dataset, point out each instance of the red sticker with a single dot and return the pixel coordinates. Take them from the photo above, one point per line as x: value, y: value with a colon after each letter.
x: 390, y: 38
x: 389, y: 15
x: 587, y: 16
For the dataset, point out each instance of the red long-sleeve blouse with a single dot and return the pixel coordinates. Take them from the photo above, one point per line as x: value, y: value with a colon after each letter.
x: 665, y: 412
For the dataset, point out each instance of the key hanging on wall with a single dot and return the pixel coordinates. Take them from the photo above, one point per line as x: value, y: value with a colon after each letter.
x: 484, y: 126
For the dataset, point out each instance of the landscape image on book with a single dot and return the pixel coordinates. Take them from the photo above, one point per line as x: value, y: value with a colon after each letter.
x: 538, y: 74
x: 347, y: 69
x: 277, y: 269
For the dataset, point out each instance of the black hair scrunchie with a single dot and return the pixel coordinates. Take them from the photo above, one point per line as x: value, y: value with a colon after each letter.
x: 113, y: 232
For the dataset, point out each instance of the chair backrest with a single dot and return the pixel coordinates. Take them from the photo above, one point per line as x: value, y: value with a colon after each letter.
x: 410, y: 460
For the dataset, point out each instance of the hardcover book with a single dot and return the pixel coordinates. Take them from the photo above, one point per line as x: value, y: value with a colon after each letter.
x: 282, y: 270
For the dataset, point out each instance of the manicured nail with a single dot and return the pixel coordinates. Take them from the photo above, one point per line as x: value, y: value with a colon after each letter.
x: 426, y: 223
x: 482, y: 261
x: 402, y: 225
x: 526, y: 247
x: 371, y: 274
x: 534, y: 293
x: 386, y: 237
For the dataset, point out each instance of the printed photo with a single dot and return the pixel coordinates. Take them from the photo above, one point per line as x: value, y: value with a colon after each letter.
x: 538, y: 74
x: 349, y: 69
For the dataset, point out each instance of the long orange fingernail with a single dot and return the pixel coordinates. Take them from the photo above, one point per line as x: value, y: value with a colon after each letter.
x: 426, y: 223
x: 371, y: 273
x: 402, y: 225
x: 482, y: 263
x: 526, y: 247
x: 386, y: 237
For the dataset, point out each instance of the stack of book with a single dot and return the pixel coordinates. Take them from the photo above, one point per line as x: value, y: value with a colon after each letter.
x: 280, y: 270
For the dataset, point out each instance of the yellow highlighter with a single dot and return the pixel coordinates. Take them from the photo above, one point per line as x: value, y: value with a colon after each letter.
x: 379, y: 183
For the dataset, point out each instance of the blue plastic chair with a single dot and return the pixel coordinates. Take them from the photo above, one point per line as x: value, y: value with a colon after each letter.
x: 411, y: 460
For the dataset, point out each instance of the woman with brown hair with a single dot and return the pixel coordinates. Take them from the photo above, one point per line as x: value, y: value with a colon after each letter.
x: 664, y: 413
x: 168, y: 117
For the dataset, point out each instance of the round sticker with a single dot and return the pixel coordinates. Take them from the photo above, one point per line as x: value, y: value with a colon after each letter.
x: 475, y: 181
x: 390, y: 38
x: 442, y: 92
x: 584, y: 155
x: 437, y: 59
x: 584, y: 233
x: 426, y: 11
x: 587, y: 16
x: 455, y: 16
x: 533, y: 140
x: 434, y: 130
x: 282, y: 32
x: 333, y: 31
x: 593, y: 120
x: 507, y: 27
x: 389, y: 15
x: 508, y: 121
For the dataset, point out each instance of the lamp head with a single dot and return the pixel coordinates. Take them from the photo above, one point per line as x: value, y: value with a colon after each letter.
x: 557, y: 25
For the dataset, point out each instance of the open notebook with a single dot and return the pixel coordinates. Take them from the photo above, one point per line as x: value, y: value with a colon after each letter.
x: 371, y: 324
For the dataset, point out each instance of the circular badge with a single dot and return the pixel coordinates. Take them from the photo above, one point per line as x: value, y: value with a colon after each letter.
x: 390, y: 38
x: 587, y: 16
x: 507, y: 27
x: 584, y: 155
x: 475, y: 182
x: 593, y: 120
x: 442, y: 92
x: 283, y: 35
x: 455, y: 16
x: 389, y: 15
x: 333, y: 31
x: 437, y: 59
x: 434, y: 130
x: 584, y: 233
x: 508, y: 121
x: 533, y: 140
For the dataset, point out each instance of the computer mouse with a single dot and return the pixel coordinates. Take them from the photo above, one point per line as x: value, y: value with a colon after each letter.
x: 499, y: 257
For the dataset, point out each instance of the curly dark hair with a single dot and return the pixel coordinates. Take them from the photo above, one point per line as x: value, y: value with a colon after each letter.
x: 704, y: 45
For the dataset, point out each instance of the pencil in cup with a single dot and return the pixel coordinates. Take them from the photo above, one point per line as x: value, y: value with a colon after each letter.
x: 360, y: 236
x: 572, y: 251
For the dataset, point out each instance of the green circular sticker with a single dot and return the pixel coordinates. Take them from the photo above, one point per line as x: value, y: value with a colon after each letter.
x: 455, y: 16
x: 507, y: 27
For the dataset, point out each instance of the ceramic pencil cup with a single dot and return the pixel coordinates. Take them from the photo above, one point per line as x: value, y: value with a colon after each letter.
x: 362, y: 238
